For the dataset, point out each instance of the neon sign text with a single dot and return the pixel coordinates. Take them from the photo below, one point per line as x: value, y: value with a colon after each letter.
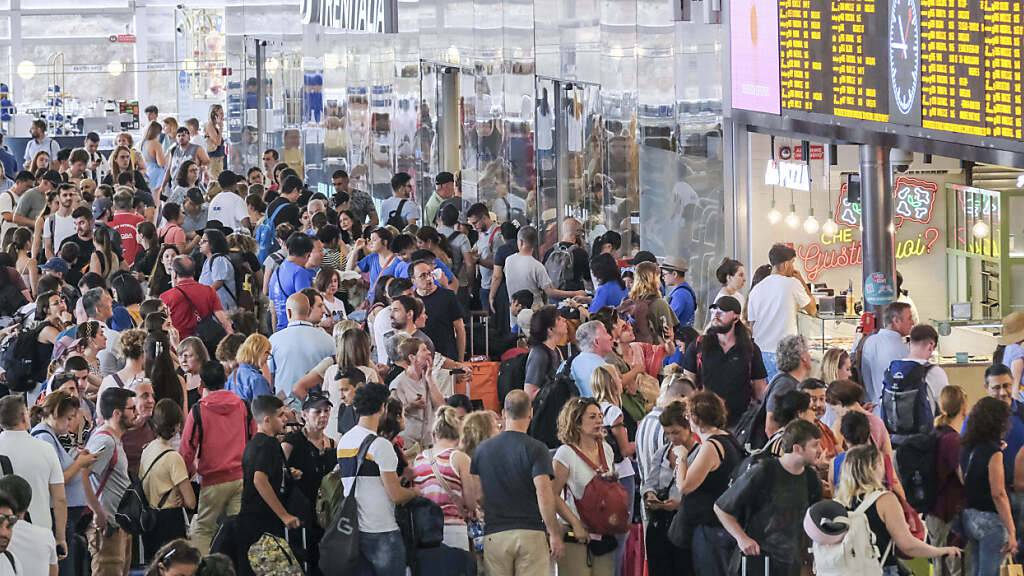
x: 840, y: 250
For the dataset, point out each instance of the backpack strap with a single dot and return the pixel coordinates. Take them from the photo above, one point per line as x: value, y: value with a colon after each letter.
x: 117, y: 380
x: 110, y: 467
x: 459, y: 502
x: 10, y: 560
x: 364, y: 448
x: 230, y: 263
x: 5, y: 465
x: 600, y: 470
x: 273, y: 215
x: 37, y: 434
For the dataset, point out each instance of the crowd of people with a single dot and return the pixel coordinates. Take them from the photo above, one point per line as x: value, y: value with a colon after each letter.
x: 208, y: 372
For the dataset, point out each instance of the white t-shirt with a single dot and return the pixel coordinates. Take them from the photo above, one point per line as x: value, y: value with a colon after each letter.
x: 110, y: 382
x: 6, y: 569
x: 381, y: 330
x: 330, y: 385
x: 376, y: 510
x: 501, y: 210
x: 335, y: 309
x: 525, y: 273
x: 8, y: 203
x: 35, y: 549
x: 61, y: 226
x: 229, y: 209
x: 772, y: 308
x: 410, y: 211
x: 612, y: 413
x: 36, y: 462
x: 580, y: 473
x: 486, y: 244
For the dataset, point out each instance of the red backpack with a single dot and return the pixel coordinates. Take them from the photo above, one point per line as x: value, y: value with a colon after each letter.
x: 604, y: 505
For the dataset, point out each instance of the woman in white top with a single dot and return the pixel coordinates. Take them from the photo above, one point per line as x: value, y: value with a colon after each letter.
x: 581, y: 429
x: 733, y: 277
x: 133, y: 348
x: 327, y: 283
x: 607, y: 385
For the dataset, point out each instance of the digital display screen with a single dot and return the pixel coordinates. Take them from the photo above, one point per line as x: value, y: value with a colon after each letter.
x: 953, y: 66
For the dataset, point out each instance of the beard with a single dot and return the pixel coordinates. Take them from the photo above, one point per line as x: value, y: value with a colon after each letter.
x: 717, y: 329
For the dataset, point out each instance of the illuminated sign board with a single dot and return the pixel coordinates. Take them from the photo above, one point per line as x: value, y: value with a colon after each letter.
x: 376, y: 16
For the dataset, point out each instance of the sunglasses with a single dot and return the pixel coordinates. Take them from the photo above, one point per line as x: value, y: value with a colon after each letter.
x: 8, y: 520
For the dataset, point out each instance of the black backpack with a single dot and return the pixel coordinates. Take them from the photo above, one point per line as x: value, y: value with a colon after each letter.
x: 511, y: 376
x: 11, y: 299
x: 395, y: 217
x: 18, y: 360
x: 339, y: 547
x: 749, y: 430
x: 548, y: 404
x: 915, y: 460
x: 243, y: 274
x: 906, y: 409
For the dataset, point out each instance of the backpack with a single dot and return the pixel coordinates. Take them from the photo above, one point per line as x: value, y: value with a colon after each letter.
x: 905, y: 407
x: 604, y: 504
x: 749, y: 430
x: 458, y: 264
x: 511, y: 376
x: 11, y: 299
x: 265, y: 235
x: 548, y: 404
x: 395, y: 217
x: 134, y: 514
x: 915, y: 462
x: 327, y: 496
x: 637, y: 313
x: 242, y: 272
x: 339, y: 547
x: 272, y: 556
x: 18, y: 359
x: 559, y: 265
x: 857, y: 552
x: 749, y: 460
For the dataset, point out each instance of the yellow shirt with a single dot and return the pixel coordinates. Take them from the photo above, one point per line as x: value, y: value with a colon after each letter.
x: 167, y: 473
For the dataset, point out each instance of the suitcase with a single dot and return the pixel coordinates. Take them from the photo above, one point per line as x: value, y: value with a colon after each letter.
x: 743, y: 565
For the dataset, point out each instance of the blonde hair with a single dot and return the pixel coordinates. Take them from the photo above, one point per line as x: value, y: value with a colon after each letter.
x: 951, y: 403
x: 858, y: 476
x: 646, y: 281
x: 446, y: 424
x: 253, y: 349
x: 476, y: 427
x: 831, y: 362
x: 132, y: 343
x: 606, y: 384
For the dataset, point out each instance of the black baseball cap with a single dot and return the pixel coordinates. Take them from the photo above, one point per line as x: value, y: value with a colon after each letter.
x: 643, y: 256
x: 727, y: 304
x: 444, y: 178
x: 314, y: 400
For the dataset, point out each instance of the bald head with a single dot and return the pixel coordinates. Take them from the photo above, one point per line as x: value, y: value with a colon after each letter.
x: 297, y: 307
x: 517, y: 405
x: 571, y: 230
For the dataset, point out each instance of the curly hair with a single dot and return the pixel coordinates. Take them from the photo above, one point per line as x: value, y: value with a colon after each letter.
x: 132, y: 343
x: 987, y: 423
x: 790, y: 353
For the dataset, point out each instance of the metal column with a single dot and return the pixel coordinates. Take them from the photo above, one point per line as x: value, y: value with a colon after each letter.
x: 879, y: 234
x: 261, y: 120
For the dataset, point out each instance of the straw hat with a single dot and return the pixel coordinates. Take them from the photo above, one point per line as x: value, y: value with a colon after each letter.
x: 1013, y: 329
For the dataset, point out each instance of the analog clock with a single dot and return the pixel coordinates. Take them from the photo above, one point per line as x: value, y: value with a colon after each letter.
x: 904, y: 53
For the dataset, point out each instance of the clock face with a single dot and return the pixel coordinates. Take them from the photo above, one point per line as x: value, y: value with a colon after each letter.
x: 904, y: 53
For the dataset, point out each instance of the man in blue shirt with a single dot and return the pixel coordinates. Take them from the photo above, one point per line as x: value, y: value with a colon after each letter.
x: 291, y: 276
x: 9, y: 162
x: 373, y: 257
x: 300, y: 346
x: 681, y: 297
x: 595, y: 344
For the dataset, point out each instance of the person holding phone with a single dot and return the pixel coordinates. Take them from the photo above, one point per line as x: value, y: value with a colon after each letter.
x: 418, y: 392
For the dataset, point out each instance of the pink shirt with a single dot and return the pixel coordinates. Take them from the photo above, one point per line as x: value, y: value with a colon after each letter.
x: 171, y: 234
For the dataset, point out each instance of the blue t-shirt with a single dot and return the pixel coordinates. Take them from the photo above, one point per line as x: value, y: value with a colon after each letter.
x: 288, y: 278
x: 683, y: 304
x: 248, y: 382
x: 1011, y: 353
x: 582, y: 371
x: 120, y: 320
x: 607, y: 294
x: 400, y: 269
x: 371, y: 265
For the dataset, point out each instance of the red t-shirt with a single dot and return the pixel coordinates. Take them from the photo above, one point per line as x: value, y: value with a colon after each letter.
x: 125, y: 224
x: 185, y: 314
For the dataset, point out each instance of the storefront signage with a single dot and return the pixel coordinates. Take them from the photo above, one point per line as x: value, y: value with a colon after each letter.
x: 841, y: 249
x: 122, y: 38
x: 797, y: 152
x: 879, y: 289
x: 375, y: 16
x: 914, y: 201
x: 787, y: 175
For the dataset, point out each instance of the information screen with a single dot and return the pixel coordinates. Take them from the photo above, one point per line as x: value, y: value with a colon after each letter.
x: 953, y: 66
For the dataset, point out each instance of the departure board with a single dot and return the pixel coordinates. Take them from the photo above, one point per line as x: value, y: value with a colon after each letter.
x: 949, y: 66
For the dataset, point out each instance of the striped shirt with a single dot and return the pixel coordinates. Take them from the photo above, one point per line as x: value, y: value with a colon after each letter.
x: 650, y: 438
x: 432, y: 488
x: 376, y: 510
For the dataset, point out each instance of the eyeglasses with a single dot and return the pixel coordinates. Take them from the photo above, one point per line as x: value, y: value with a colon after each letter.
x: 8, y: 520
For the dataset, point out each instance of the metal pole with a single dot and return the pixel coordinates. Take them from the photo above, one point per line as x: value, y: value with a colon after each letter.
x: 879, y: 234
x: 261, y: 126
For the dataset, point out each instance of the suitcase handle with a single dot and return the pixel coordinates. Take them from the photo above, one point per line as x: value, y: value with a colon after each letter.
x: 743, y: 564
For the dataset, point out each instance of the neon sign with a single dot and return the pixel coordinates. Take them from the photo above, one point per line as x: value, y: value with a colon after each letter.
x: 914, y: 201
x: 841, y: 250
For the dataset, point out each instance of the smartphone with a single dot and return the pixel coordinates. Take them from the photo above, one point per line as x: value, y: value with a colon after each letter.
x: 457, y: 371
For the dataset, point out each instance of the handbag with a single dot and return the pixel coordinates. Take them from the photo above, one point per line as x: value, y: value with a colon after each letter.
x: 208, y: 329
x: 473, y: 526
x: 421, y: 522
x: 339, y: 547
x: 1011, y: 568
x: 604, y: 505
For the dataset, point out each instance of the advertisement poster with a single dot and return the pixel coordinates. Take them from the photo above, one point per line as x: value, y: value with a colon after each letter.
x: 754, y: 37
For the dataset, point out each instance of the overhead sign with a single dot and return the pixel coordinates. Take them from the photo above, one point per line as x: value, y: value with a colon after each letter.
x: 122, y: 38
x: 375, y: 16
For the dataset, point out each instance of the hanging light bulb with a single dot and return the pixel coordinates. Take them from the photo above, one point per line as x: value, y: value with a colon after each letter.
x: 830, y: 227
x: 811, y: 224
x: 792, y: 220
x: 331, y: 61
x: 115, y: 68
x: 980, y: 229
x: 26, y: 69
x: 774, y: 216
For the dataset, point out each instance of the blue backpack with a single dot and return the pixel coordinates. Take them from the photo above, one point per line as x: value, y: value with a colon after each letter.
x: 265, y: 236
x: 906, y: 410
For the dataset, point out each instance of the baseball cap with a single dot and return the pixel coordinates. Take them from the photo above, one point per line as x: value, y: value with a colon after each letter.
x: 780, y: 253
x: 53, y: 177
x: 727, y: 304
x: 56, y: 264
x: 314, y: 400
x: 228, y: 178
x: 100, y: 206
x: 444, y: 178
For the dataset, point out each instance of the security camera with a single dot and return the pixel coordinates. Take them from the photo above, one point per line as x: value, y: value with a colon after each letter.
x: 900, y: 160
